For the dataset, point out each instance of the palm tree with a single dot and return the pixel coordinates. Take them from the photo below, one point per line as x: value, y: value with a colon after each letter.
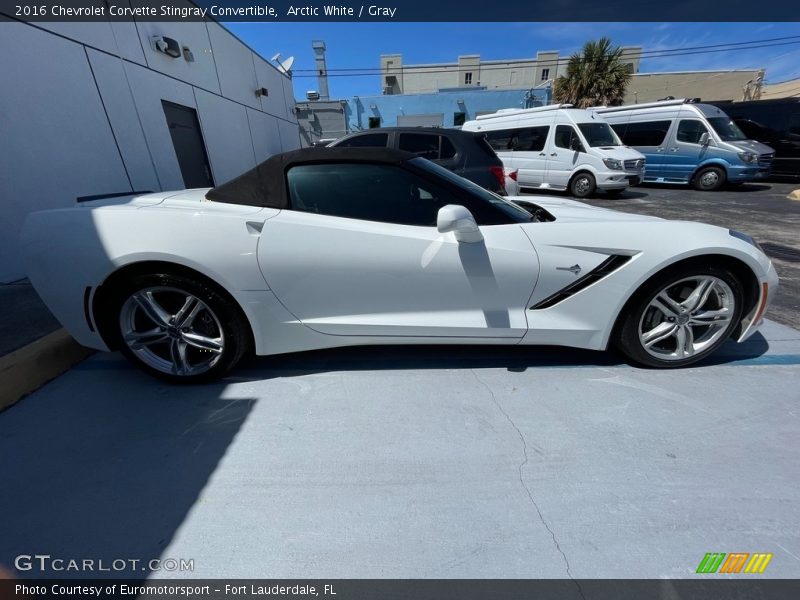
x: 596, y: 76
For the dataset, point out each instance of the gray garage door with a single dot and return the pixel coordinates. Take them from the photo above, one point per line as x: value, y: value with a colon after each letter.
x: 431, y: 120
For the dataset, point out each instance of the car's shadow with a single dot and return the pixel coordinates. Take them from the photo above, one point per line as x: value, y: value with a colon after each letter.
x: 413, y: 357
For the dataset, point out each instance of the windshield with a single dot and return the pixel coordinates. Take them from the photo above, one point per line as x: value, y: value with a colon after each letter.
x: 509, y: 209
x: 726, y: 129
x: 599, y: 134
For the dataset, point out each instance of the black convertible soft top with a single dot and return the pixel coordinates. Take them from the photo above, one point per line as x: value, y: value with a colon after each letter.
x: 265, y: 184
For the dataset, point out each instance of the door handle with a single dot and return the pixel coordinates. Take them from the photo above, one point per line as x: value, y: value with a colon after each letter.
x: 542, y: 154
x: 659, y: 149
x: 554, y: 154
x: 674, y: 149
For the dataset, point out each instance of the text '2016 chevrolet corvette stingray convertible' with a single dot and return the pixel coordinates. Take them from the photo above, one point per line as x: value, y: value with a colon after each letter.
x: 330, y: 247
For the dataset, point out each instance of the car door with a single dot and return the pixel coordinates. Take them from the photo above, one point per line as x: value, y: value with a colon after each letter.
x: 684, y: 150
x: 359, y: 254
x: 561, y: 158
x: 530, y: 156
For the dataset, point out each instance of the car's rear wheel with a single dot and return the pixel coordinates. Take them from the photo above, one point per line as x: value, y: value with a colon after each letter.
x: 709, y: 179
x: 582, y: 185
x: 179, y: 329
x: 681, y: 317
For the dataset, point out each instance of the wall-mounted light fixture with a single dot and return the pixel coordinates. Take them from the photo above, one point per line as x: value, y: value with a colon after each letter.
x: 262, y: 91
x: 166, y: 45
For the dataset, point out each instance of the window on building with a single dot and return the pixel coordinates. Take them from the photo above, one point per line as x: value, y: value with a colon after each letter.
x: 374, y: 122
x: 690, y: 131
x: 545, y: 74
x: 467, y: 78
x: 379, y: 140
x: 647, y: 133
x: 459, y: 118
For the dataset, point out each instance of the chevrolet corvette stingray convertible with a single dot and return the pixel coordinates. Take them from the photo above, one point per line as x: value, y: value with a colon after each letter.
x: 331, y: 247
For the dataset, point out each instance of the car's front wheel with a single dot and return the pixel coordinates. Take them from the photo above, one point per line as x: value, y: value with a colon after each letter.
x: 681, y: 317
x: 582, y: 185
x: 709, y: 179
x: 179, y: 329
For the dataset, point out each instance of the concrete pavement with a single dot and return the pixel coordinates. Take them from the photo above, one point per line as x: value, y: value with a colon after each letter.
x: 415, y: 462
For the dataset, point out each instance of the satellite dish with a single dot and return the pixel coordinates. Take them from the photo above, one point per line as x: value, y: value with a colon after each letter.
x: 276, y: 57
x: 286, y: 66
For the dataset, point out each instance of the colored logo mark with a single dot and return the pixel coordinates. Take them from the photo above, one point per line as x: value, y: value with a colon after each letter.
x: 735, y: 562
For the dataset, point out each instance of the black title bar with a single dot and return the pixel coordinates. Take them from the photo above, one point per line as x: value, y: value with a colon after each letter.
x: 401, y: 10
x: 699, y: 587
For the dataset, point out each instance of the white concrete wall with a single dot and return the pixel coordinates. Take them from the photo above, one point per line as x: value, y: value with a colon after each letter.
x: 81, y: 113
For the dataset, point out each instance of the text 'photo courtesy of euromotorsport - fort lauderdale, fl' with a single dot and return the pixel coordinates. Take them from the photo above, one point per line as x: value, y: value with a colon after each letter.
x: 402, y: 300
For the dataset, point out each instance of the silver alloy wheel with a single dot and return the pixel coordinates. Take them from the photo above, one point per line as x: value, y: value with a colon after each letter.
x: 709, y: 179
x: 582, y: 185
x: 686, y: 317
x: 171, y: 331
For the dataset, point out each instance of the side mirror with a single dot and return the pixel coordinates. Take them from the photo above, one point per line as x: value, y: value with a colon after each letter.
x: 575, y: 144
x: 460, y: 221
x: 705, y: 139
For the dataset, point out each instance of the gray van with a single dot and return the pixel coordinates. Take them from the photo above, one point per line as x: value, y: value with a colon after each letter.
x: 686, y: 142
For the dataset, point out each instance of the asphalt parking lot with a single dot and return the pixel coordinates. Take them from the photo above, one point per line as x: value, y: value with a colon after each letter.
x: 449, y: 462
x: 762, y: 210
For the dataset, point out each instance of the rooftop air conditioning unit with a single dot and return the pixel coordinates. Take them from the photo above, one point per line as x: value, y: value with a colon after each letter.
x: 312, y: 95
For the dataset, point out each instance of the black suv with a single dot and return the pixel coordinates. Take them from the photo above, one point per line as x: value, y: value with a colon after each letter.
x: 465, y: 153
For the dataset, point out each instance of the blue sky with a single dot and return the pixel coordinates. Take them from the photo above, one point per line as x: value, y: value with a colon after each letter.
x: 358, y: 45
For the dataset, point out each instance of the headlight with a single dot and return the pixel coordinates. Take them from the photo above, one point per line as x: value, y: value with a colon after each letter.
x: 744, y: 237
x: 748, y: 157
x: 613, y: 163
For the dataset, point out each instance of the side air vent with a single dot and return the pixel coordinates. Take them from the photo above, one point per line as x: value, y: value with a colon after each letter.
x: 611, y: 264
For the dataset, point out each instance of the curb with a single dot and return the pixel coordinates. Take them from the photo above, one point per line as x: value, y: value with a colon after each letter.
x: 27, y: 369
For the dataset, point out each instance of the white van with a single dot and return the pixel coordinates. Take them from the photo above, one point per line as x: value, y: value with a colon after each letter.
x: 686, y: 142
x: 558, y: 147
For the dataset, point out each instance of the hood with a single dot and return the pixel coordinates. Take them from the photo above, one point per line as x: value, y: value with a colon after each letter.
x: 752, y: 146
x: 572, y: 211
x: 618, y: 152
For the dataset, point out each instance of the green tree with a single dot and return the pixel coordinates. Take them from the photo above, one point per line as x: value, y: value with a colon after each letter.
x: 596, y: 76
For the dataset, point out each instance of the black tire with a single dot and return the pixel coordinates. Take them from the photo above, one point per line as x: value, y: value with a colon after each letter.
x: 582, y: 185
x: 627, y: 339
x: 709, y: 179
x: 217, y: 317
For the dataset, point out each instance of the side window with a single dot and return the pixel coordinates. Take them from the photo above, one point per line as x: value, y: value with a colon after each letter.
x: 500, y: 140
x: 566, y: 137
x: 794, y: 125
x: 690, y: 130
x: 531, y: 139
x: 369, y: 192
x: 647, y: 133
x: 425, y: 145
x: 448, y: 150
x: 378, y: 140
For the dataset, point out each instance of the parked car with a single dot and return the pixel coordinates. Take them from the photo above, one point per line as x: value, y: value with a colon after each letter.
x: 772, y: 122
x: 685, y: 142
x: 465, y: 154
x: 327, y: 247
x: 512, y: 185
x: 557, y: 147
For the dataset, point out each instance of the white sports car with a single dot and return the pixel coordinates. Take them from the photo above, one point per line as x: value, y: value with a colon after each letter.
x: 323, y: 247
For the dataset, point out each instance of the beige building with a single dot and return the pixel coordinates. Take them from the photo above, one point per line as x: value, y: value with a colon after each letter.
x: 707, y: 85
x: 471, y: 71
x: 784, y: 89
